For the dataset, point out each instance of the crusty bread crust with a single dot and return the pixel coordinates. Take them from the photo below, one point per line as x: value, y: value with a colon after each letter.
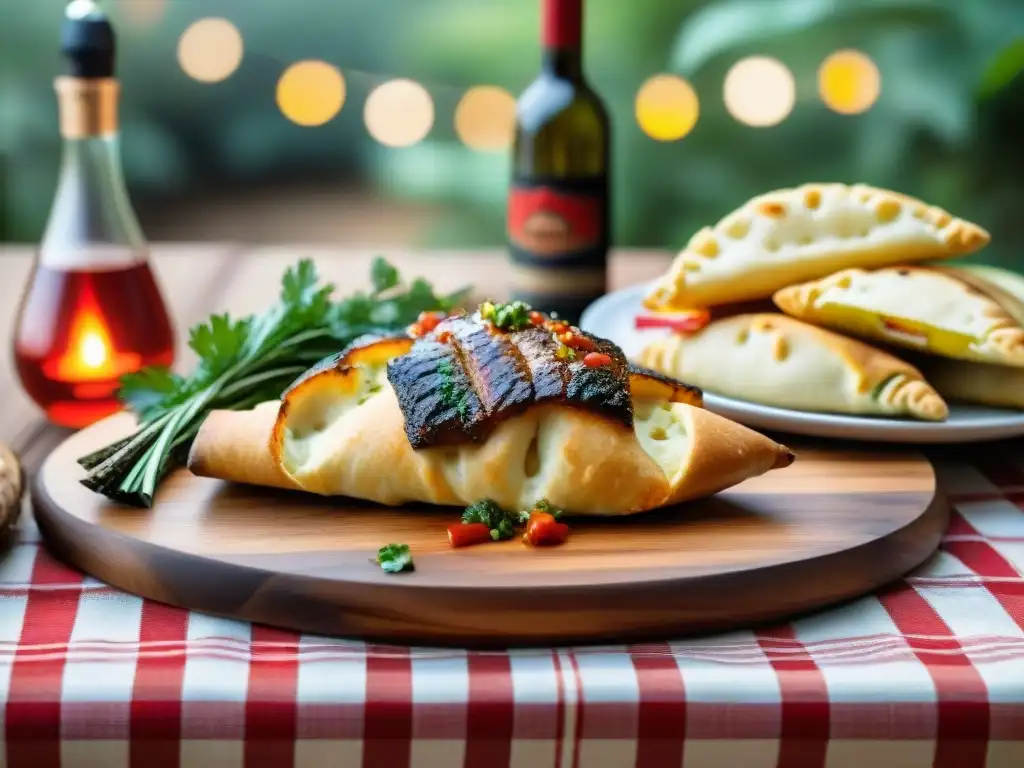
x: 575, y: 459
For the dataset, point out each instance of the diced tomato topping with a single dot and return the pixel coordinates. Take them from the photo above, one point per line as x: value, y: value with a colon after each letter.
x: 688, y: 323
x: 444, y: 336
x: 536, y: 318
x: 559, y: 327
x: 596, y: 360
x: 577, y: 341
x: 544, y: 531
x: 428, y: 321
x: 467, y: 534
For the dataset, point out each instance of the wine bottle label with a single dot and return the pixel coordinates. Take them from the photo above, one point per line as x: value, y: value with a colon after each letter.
x: 558, y: 239
x: 559, y: 223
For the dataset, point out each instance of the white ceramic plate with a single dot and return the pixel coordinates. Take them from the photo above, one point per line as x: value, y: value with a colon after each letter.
x: 612, y: 318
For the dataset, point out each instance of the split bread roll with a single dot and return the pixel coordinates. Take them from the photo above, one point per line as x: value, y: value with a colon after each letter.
x: 794, y: 235
x: 996, y: 385
x: 936, y: 311
x: 776, y: 360
x: 343, y: 443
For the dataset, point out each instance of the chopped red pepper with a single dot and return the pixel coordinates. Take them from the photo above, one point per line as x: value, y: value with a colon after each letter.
x: 428, y: 321
x: 596, y: 360
x: 688, y: 323
x: 536, y: 318
x: 577, y: 341
x: 543, y: 530
x: 444, y: 336
x: 467, y: 534
x: 558, y: 327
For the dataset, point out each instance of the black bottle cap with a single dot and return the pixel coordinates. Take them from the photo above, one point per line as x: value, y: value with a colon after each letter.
x: 87, y: 40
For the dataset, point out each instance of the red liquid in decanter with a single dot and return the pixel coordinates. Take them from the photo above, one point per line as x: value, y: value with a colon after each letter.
x: 80, y: 330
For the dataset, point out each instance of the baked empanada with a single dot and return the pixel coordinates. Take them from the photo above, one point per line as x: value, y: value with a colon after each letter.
x: 470, y: 411
x: 776, y: 360
x: 930, y: 310
x: 793, y: 235
x: 957, y: 380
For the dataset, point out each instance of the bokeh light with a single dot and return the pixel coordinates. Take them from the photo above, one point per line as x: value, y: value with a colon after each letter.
x: 210, y: 50
x: 311, y: 93
x: 759, y: 91
x: 144, y: 13
x: 485, y: 118
x: 399, y: 113
x: 666, y: 107
x: 849, y: 82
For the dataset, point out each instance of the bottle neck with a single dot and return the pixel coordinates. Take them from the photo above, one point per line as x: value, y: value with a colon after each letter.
x: 92, y: 216
x: 562, y: 38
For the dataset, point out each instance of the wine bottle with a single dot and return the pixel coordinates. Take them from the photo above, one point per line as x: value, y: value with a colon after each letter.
x: 92, y: 310
x: 558, y: 223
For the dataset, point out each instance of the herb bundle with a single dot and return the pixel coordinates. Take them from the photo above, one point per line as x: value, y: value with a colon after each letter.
x: 244, y: 362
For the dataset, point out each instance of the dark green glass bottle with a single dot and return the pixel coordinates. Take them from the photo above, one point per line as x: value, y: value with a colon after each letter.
x: 559, y: 219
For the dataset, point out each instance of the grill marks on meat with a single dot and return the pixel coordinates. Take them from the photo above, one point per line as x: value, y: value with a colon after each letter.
x: 436, y: 395
x: 458, y: 390
x: 497, y: 371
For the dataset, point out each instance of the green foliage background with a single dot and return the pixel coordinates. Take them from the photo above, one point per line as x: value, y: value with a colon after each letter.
x: 949, y: 125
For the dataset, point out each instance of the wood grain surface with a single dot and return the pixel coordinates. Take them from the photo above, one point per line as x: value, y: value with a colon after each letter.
x: 834, y: 525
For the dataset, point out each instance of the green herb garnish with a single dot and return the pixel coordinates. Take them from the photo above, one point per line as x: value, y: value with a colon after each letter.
x: 395, y: 558
x: 541, y: 506
x: 545, y: 506
x: 452, y: 394
x: 514, y: 316
x: 501, y: 523
x: 242, y: 363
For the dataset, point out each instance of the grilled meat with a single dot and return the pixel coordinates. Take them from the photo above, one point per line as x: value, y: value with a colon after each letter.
x: 458, y: 382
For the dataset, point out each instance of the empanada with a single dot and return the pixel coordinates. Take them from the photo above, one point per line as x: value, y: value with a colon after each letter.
x: 957, y: 380
x: 470, y: 412
x: 929, y: 310
x: 793, y: 235
x: 776, y: 360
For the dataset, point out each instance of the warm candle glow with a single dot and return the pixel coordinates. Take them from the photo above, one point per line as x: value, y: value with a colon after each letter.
x: 90, y: 355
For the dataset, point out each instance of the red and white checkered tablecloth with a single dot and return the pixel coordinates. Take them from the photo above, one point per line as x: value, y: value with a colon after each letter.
x: 930, y: 672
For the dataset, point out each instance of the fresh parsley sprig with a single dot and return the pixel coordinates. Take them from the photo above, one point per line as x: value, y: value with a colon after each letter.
x: 243, y: 362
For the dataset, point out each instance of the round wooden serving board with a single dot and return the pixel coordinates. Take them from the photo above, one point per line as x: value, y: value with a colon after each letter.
x: 834, y: 525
